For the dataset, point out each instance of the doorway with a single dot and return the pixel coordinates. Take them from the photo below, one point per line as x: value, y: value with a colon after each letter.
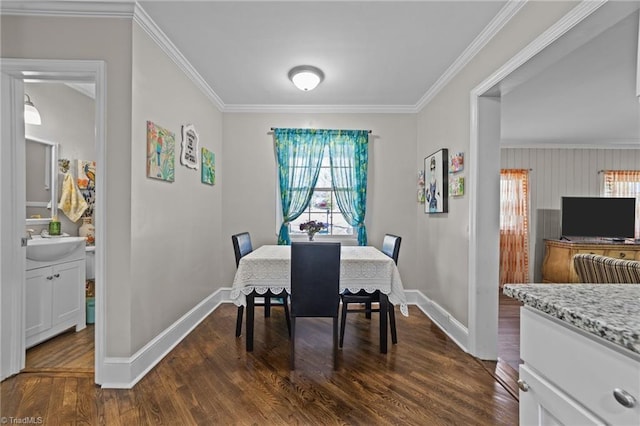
x: 67, y: 111
x: 16, y: 74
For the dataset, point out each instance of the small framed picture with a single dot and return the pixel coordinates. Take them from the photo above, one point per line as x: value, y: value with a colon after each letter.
x: 456, y: 162
x: 436, y: 183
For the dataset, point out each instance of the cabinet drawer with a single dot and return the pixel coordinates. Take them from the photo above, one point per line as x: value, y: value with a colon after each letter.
x: 592, y: 251
x: 585, y: 368
x: 621, y: 254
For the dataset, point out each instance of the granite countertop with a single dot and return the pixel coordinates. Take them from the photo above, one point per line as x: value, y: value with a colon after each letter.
x: 609, y: 311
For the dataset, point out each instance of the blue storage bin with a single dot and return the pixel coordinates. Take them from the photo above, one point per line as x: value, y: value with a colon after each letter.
x: 91, y: 310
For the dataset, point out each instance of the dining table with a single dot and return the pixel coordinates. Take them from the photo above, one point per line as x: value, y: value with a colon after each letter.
x: 267, y: 271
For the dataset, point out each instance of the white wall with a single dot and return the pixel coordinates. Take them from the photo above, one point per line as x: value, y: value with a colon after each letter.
x: 175, y: 227
x: 445, y: 123
x: 249, y: 176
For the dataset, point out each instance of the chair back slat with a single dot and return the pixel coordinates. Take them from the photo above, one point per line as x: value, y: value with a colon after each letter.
x: 241, y: 245
x: 391, y: 246
x: 315, y: 279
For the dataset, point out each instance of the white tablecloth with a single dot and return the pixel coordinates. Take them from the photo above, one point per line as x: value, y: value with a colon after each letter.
x: 361, y: 268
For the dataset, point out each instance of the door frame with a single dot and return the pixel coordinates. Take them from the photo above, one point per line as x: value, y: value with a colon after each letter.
x: 484, y: 205
x: 12, y: 184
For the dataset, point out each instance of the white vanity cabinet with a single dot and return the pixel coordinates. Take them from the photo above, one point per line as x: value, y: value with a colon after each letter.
x: 55, y: 295
x: 570, y: 377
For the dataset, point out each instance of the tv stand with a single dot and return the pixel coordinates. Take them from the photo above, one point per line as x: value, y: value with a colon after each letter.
x: 557, y: 266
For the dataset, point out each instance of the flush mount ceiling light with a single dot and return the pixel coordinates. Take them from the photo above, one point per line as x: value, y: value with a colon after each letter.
x: 31, y: 114
x: 306, y: 77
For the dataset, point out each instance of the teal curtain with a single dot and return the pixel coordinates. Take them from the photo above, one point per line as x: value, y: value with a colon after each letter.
x: 348, y: 150
x: 299, y: 153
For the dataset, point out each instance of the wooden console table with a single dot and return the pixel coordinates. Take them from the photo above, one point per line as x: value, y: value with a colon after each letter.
x: 557, y: 266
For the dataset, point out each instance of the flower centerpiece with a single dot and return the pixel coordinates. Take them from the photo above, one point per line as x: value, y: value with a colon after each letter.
x: 312, y: 227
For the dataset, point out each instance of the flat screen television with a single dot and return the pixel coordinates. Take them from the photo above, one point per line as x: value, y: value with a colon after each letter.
x: 598, y: 217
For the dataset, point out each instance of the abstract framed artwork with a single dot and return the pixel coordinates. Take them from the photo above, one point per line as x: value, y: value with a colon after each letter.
x: 208, y: 170
x: 456, y: 186
x: 436, y: 185
x: 456, y: 162
x: 161, y: 153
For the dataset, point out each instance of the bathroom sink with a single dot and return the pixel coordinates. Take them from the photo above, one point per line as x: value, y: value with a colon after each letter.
x: 51, y: 249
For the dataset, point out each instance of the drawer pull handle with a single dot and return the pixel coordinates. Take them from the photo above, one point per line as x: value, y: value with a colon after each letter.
x: 524, y: 387
x: 624, y: 398
x: 56, y: 275
x: 623, y: 255
x: 49, y: 277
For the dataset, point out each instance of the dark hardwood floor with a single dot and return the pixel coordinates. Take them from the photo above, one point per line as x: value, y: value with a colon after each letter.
x: 209, y: 378
x: 509, y: 331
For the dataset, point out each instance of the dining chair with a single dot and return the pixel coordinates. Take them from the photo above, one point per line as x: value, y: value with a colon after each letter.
x: 315, y: 287
x: 242, y: 247
x: 390, y: 247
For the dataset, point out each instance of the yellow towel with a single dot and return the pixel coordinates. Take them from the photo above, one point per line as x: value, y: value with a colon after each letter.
x: 72, y: 203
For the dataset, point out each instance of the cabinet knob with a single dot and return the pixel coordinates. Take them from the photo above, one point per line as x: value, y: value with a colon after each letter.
x: 624, y: 398
x: 524, y: 387
x: 623, y: 255
x: 56, y: 275
x: 50, y: 277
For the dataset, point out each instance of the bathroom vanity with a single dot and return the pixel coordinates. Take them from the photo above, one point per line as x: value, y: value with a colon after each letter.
x: 580, y: 344
x: 55, y: 287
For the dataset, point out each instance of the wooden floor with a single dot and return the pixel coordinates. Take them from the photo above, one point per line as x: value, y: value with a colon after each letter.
x: 209, y: 378
x: 509, y: 331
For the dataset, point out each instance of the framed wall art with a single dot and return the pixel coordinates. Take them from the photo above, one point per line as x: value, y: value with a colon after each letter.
x: 208, y: 173
x: 456, y: 162
x: 456, y: 186
x: 189, y: 152
x: 436, y: 186
x: 161, y: 153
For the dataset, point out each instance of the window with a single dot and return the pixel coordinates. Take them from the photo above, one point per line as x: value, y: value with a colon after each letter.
x: 624, y: 183
x: 323, y: 206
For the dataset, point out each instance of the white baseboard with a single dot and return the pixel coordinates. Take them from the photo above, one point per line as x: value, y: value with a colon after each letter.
x: 124, y: 373
x: 441, y: 317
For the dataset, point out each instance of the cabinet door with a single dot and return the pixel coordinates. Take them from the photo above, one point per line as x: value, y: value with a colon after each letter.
x: 545, y: 405
x: 38, y: 289
x: 67, y: 287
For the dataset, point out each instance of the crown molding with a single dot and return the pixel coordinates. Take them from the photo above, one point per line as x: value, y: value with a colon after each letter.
x: 141, y: 17
x: 96, y: 9
x: 322, y: 109
x: 132, y: 9
x: 507, y: 12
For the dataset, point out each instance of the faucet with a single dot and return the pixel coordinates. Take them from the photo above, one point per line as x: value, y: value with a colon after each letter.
x: 29, y: 232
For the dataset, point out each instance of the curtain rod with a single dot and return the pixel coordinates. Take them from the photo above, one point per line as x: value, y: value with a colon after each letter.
x: 368, y: 131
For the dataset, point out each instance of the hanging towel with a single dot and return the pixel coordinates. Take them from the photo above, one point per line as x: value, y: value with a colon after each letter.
x: 72, y: 203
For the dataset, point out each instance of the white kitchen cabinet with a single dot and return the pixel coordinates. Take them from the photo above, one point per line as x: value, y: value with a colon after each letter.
x: 570, y: 377
x: 55, y: 298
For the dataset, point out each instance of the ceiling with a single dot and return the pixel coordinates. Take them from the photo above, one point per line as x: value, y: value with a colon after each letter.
x: 374, y: 54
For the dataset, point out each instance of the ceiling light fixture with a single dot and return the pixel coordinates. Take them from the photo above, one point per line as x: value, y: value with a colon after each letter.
x: 31, y: 114
x: 306, y: 77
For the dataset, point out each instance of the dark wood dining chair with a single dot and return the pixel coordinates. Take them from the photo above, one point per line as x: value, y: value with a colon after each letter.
x: 390, y: 247
x: 242, y: 247
x: 315, y: 287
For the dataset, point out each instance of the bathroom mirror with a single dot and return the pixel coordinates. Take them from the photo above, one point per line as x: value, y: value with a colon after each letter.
x: 41, y: 180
